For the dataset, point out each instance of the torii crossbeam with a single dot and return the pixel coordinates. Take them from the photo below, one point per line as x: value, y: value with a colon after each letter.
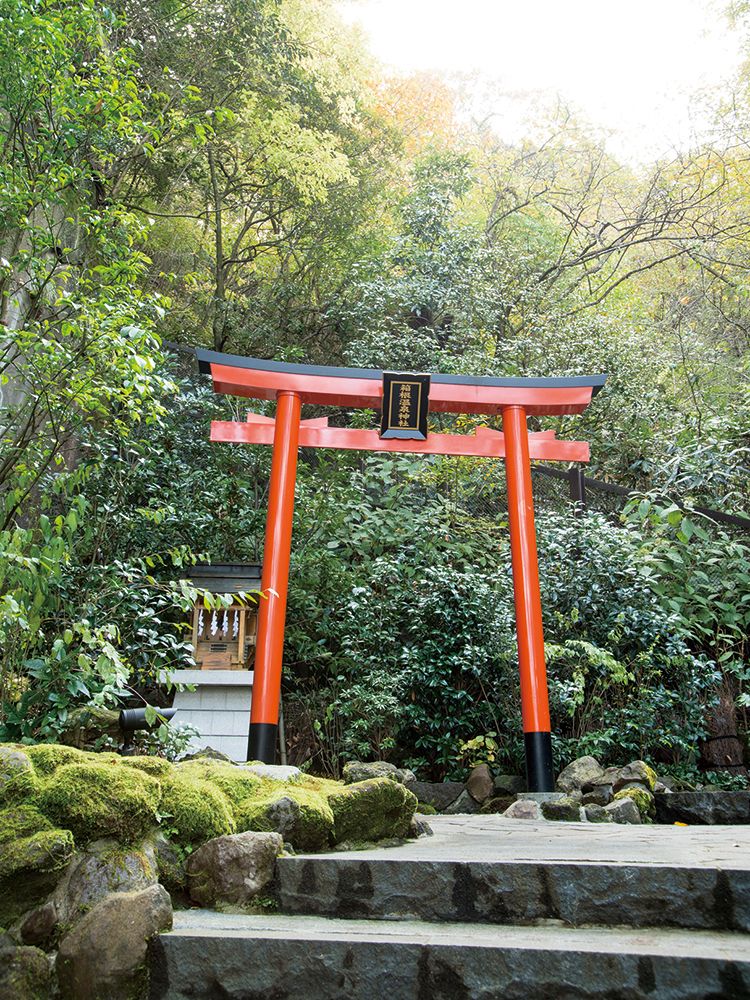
x: 514, y: 399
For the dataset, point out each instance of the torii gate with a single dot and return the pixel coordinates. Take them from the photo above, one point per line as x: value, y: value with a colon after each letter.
x: 404, y: 430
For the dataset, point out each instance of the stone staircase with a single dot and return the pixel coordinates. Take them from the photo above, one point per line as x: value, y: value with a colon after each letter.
x: 486, y: 908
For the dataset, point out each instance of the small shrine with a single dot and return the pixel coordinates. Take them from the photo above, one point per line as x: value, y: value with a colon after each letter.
x: 224, y: 649
x: 225, y: 639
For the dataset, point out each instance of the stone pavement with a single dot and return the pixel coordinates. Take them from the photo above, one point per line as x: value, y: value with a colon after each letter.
x: 495, y: 838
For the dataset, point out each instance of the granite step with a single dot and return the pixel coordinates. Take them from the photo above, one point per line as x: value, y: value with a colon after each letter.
x: 501, y: 871
x: 214, y: 955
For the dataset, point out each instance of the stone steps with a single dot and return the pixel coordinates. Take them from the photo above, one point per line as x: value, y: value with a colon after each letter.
x: 486, y: 909
x: 233, y: 957
x: 499, y: 871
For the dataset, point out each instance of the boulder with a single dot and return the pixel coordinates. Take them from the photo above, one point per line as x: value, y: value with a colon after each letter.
x: 637, y: 772
x: 104, y: 868
x: 643, y: 799
x: 29, y: 869
x: 371, y: 810
x: 464, y: 804
x: 17, y: 778
x: 597, y: 814
x: 25, y: 974
x: 198, y: 811
x: 623, y: 811
x: 104, y: 957
x: 566, y: 808
x: 233, y: 869
x: 276, y: 772
x: 438, y: 794
x: 580, y: 773
x: 480, y: 783
x: 357, y: 770
x: 509, y: 784
x: 598, y: 795
x: 86, y: 725
x: 524, y: 809
x: 96, y: 800
x: 302, y: 817
x: 38, y: 927
x: 703, y: 807
x: 170, y: 864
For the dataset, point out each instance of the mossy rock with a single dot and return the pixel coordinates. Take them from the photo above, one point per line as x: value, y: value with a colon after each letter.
x: 45, y: 851
x: 237, y: 784
x: 193, y: 811
x: 157, y: 767
x: 636, y: 771
x: 25, y: 974
x: 21, y: 821
x: 29, y: 870
x: 101, y: 800
x: 18, y: 780
x: 371, y: 810
x: 47, y: 757
x: 88, y: 723
x: 170, y: 864
x: 643, y: 799
x: 301, y: 815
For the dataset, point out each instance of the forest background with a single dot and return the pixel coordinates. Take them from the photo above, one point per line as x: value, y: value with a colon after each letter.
x: 245, y: 176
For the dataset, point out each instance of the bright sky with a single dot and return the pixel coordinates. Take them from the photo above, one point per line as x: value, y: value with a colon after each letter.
x: 630, y: 67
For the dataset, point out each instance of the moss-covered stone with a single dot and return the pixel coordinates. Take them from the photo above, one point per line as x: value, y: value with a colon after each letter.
x: 371, y: 810
x: 29, y: 869
x: 17, y: 778
x: 635, y: 771
x: 236, y: 783
x: 193, y: 811
x: 170, y: 863
x: 89, y: 723
x: 21, y: 821
x: 47, y: 850
x: 157, y: 767
x: 642, y: 798
x: 101, y: 800
x: 301, y: 815
x: 567, y: 809
x: 47, y: 757
x: 96, y: 873
x: 25, y: 974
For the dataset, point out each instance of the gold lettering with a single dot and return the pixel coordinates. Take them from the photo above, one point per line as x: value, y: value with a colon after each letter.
x: 404, y: 404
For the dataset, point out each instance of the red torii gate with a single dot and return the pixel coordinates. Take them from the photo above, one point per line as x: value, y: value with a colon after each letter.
x: 514, y: 399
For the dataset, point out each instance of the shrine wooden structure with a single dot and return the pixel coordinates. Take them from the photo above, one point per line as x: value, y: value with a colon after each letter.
x: 512, y: 399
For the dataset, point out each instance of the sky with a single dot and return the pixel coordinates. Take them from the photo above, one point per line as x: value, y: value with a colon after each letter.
x: 629, y: 67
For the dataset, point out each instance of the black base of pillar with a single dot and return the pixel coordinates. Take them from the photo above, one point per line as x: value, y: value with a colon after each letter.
x: 261, y: 742
x: 539, y: 774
